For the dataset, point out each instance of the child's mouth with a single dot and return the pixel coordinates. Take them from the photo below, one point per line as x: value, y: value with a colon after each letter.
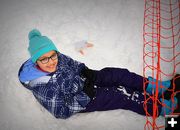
x: 51, y: 67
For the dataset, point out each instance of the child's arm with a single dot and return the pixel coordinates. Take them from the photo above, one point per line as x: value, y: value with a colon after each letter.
x: 56, y: 106
x: 50, y: 96
x: 75, y: 65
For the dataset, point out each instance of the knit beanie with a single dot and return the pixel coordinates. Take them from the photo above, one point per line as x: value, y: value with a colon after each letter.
x: 39, y: 45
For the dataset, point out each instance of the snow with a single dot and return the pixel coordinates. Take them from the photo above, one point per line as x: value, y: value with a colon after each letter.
x: 113, y: 26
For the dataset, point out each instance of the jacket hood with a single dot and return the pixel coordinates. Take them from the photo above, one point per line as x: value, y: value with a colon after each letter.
x: 28, y: 72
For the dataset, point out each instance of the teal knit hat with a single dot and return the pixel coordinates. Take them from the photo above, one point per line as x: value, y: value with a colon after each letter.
x: 39, y: 45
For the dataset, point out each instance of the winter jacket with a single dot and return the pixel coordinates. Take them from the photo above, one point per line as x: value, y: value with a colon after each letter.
x: 60, y: 92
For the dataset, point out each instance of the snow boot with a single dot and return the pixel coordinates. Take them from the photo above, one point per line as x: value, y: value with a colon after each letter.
x: 167, y: 85
x: 176, y: 82
x: 152, y: 86
x: 177, y: 110
x: 168, y: 106
x: 168, y: 93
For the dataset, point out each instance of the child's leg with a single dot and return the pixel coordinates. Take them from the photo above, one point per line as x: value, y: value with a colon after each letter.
x: 111, y: 98
x: 110, y: 77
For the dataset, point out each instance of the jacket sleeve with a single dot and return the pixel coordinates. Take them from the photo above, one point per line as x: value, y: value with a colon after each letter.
x: 75, y: 65
x: 57, y: 107
x: 51, y: 99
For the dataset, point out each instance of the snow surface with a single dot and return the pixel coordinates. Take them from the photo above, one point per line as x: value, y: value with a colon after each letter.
x: 113, y: 26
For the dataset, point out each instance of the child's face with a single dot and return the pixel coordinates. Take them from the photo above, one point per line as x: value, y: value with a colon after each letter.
x: 48, y: 62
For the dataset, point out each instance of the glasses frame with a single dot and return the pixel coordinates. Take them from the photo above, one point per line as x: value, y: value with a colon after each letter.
x: 48, y: 58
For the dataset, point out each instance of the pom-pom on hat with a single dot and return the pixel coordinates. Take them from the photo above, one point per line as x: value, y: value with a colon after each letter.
x: 39, y: 45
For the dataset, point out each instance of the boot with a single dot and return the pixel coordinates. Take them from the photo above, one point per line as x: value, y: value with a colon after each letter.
x: 168, y: 93
x: 167, y: 85
x: 177, y: 110
x: 152, y: 86
x: 176, y: 82
x: 167, y: 106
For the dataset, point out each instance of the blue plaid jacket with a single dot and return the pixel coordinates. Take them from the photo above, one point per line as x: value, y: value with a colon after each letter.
x: 61, y: 92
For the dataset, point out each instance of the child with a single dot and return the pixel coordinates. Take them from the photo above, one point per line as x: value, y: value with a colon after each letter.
x: 65, y: 87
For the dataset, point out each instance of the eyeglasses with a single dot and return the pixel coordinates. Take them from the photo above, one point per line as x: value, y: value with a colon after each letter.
x: 46, y: 60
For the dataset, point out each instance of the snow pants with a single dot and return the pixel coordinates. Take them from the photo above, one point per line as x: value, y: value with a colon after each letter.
x: 117, y: 88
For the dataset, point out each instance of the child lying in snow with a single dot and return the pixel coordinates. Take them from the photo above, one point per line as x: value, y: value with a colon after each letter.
x: 65, y: 87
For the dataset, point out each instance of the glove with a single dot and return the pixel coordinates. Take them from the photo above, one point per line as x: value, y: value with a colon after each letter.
x: 89, y: 89
x: 90, y: 76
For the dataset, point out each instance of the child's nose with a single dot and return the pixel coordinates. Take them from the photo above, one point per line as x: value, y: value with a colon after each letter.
x: 51, y: 61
